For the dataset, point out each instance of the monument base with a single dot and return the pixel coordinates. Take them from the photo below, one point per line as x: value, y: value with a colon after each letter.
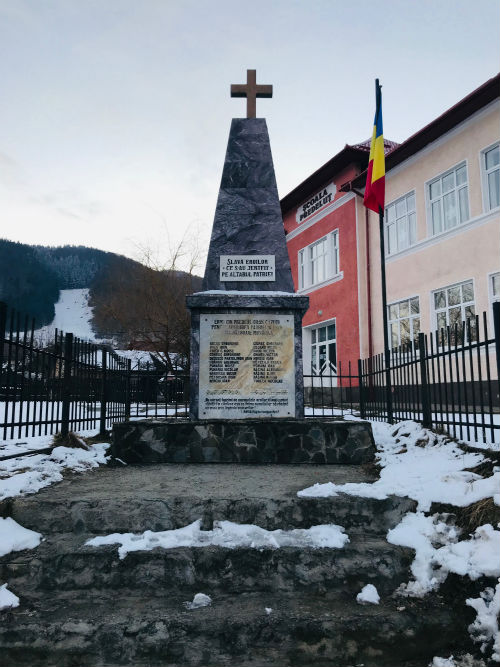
x: 244, y: 441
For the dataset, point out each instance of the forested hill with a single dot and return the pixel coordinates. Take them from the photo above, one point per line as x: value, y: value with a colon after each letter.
x: 122, y: 292
x: 31, y: 276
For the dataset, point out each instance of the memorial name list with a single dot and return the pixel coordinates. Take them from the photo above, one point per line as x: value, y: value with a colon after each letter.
x: 247, y: 365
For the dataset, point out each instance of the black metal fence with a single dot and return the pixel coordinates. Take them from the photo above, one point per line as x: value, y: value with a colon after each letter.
x: 64, y: 384
x: 447, y: 380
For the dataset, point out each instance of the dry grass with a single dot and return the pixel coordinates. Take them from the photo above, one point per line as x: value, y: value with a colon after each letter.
x: 475, y: 515
x: 70, y: 440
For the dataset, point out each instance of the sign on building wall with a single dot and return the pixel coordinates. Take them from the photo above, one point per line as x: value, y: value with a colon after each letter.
x: 322, y: 198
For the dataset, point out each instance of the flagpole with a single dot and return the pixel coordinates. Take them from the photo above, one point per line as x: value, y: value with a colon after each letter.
x: 387, y: 353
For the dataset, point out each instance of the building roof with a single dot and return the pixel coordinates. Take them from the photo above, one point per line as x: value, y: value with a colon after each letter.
x: 356, y: 153
x: 475, y: 101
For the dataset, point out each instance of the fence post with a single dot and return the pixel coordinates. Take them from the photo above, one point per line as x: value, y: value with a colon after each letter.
x: 128, y: 396
x: 362, y: 411
x: 496, y: 323
x: 424, y: 383
x: 3, y: 326
x: 104, y: 392
x: 66, y: 383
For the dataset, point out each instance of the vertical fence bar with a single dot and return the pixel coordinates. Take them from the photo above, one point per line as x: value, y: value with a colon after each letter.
x: 104, y: 392
x: 362, y: 412
x: 66, y: 383
x: 424, y: 383
x: 496, y: 327
x: 128, y: 397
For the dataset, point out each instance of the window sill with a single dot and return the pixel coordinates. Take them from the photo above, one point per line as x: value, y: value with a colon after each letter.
x: 325, y: 283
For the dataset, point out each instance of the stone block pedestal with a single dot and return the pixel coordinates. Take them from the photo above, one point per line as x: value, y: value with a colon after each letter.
x: 295, y: 441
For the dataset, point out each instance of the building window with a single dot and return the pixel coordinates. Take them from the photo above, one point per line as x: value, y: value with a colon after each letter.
x: 404, y: 322
x: 319, y: 261
x: 454, y: 305
x: 491, y: 176
x: 401, y: 225
x: 495, y: 287
x: 324, y: 350
x: 449, y: 199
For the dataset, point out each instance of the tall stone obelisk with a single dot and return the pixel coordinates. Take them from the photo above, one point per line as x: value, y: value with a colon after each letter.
x: 246, y: 324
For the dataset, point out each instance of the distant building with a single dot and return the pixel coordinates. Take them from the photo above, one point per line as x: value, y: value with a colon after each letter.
x: 442, y: 236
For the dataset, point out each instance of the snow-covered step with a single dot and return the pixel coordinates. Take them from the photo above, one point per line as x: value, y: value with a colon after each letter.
x: 244, y: 629
x: 65, y: 562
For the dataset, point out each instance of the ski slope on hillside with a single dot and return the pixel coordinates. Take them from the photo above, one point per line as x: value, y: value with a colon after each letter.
x: 73, y: 315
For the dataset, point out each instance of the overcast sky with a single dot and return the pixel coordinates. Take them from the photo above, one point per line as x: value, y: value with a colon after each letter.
x: 114, y: 114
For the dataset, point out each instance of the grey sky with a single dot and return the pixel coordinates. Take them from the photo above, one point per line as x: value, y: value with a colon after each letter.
x: 115, y: 113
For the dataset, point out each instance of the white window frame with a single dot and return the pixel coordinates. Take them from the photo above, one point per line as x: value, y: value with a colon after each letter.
x: 305, y: 261
x: 315, y: 328
x: 394, y: 203
x: 429, y: 201
x: 411, y: 317
x: 490, y: 287
x: 484, y: 177
x: 463, y: 304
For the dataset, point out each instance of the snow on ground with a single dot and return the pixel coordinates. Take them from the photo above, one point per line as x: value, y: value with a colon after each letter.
x: 73, y: 315
x: 368, y: 595
x: 421, y: 465
x: 431, y: 468
x: 485, y: 627
x: 14, y: 537
x: 199, y: 600
x: 474, y: 558
x: 29, y: 474
x: 226, y: 534
x: 7, y: 599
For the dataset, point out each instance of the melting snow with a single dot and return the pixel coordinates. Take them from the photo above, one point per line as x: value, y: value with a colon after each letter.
x: 226, y: 534
x: 368, y: 595
x: 421, y: 465
x: 199, y: 600
x: 7, y: 599
x: 14, y: 537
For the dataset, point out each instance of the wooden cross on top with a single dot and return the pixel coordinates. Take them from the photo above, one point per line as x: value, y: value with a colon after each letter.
x: 251, y: 91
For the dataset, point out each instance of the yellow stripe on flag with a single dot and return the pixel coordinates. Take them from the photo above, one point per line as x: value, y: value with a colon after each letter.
x: 378, y: 169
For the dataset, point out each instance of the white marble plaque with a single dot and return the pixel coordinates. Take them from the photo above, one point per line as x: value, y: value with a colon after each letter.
x: 247, y: 366
x: 252, y: 268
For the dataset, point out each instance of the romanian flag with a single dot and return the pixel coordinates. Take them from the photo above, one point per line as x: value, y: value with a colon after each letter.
x: 375, y: 179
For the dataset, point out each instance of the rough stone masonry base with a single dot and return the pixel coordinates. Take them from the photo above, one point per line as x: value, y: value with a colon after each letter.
x: 246, y: 441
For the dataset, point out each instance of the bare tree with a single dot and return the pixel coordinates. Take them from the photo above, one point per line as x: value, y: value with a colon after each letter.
x: 146, y: 303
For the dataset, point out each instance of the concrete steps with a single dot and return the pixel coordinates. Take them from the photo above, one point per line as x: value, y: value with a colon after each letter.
x: 152, y: 630
x: 84, y: 606
x: 65, y: 563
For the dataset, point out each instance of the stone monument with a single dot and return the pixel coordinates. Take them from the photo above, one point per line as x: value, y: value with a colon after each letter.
x: 246, y: 382
x: 246, y: 326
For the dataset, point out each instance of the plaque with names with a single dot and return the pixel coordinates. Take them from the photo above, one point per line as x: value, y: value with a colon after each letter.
x: 247, y: 366
x: 252, y: 268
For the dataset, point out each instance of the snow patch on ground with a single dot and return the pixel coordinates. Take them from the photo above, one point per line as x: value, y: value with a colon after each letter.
x: 29, y: 474
x: 199, y: 600
x: 485, y: 627
x: 14, y: 537
x: 421, y: 465
x: 368, y: 595
x: 7, y: 599
x: 439, y: 552
x: 226, y: 534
